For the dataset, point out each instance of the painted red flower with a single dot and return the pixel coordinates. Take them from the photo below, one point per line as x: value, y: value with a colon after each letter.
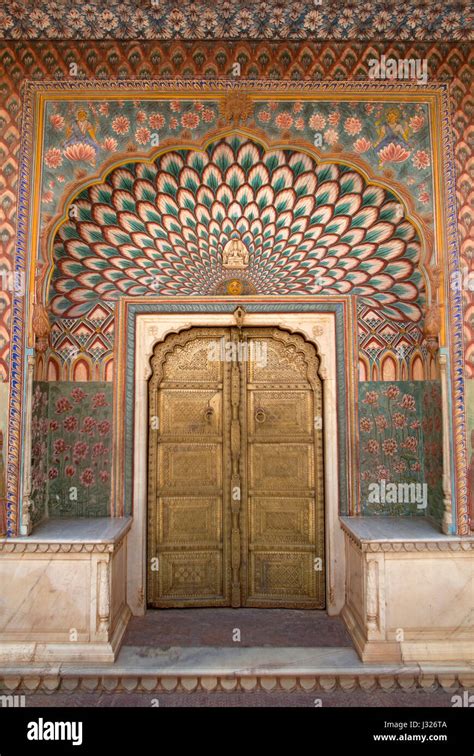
x: 408, y: 402
x: 104, y: 427
x: 143, y: 135
x: 87, y: 477
x: 410, y: 443
x: 70, y: 423
x: 121, y: 124
x: 392, y: 392
x: 104, y: 108
x: 174, y: 123
x: 104, y: 476
x: 366, y: 424
x: 352, y: 126
x: 62, y: 405
x: 373, y: 446
x: 141, y: 116
x: 317, y: 122
x: 53, y: 158
x: 393, y: 153
x: 381, y: 422
x: 299, y: 124
x: 53, y: 425
x: 70, y: 471
x: 190, y: 120
x: 264, y: 116
x: 297, y: 107
x: 208, y: 115
x: 198, y: 106
x: 331, y: 136
x: 334, y: 118
x: 99, y: 400
x: 98, y: 449
x: 175, y: 106
x: 390, y: 447
x: 53, y: 473
x: 421, y: 159
x: 399, y: 420
x: 416, y: 123
x: 60, y: 446
x: 371, y: 397
x: 156, y: 121
x: 89, y: 425
x: 415, y: 467
x: 80, y: 450
x: 78, y: 395
x: 284, y: 120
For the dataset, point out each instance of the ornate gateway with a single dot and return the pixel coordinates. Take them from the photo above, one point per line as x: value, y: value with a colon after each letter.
x: 236, y: 502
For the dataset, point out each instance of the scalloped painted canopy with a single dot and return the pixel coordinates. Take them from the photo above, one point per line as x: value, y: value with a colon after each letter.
x: 310, y: 228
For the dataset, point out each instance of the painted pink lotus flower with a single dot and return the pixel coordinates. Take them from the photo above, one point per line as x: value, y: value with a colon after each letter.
x: 317, y: 122
x: 264, y: 116
x: 190, y: 120
x: 421, y: 159
x: 415, y: 424
x: 331, y: 136
x: 174, y: 123
x: 175, y: 106
x: 415, y: 467
x: 417, y: 123
x: 70, y: 471
x: 53, y: 158
x: 362, y: 145
x: 393, y: 153
x: 104, y: 108
x: 381, y: 422
x: 48, y: 196
x: 299, y: 124
x: 110, y: 144
x: 121, y: 124
x: 62, y: 405
x: 411, y: 443
x: 273, y: 105
x: 198, y: 106
x: 371, y: 397
x: 424, y: 198
x: 408, y: 402
x: 141, y: 116
x: 297, y: 107
x: 156, y: 121
x: 334, y: 118
x: 390, y: 446
x: 87, y: 477
x: 80, y: 152
x: 57, y: 121
x: 392, y: 392
x: 284, y: 120
x: 208, y: 115
x: 399, y: 420
x: 366, y: 424
x: 352, y: 126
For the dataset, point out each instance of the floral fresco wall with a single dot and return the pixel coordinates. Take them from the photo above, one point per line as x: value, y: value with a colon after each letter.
x: 72, y: 449
x: 400, y: 443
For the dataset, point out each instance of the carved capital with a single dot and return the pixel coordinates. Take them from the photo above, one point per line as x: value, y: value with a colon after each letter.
x: 432, y: 327
x: 41, y: 327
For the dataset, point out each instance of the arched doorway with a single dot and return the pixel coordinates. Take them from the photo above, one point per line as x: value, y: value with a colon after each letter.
x: 235, y: 472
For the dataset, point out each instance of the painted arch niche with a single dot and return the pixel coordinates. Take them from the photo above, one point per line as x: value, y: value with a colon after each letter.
x: 160, y: 227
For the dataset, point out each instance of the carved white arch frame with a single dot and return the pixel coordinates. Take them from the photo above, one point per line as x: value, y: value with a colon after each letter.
x: 318, y: 328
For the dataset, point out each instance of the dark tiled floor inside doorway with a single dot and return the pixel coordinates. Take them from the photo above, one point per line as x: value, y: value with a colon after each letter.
x: 215, y: 627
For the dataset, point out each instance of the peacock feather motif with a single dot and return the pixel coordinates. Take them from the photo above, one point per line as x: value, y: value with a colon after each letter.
x: 160, y: 228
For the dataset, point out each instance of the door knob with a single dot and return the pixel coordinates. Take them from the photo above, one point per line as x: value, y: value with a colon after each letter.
x: 260, y: 416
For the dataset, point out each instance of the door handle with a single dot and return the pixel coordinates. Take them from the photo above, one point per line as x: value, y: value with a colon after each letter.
x: 260, y: 416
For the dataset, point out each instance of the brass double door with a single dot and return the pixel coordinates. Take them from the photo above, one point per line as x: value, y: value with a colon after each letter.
x: 236, y: 502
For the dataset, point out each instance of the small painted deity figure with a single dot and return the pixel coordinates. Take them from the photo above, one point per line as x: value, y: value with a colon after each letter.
x: 392, y: 130
x: 81, y: 131
x: 235, y: 254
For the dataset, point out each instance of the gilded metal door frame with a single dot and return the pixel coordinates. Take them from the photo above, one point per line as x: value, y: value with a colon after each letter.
x: 287, y: 567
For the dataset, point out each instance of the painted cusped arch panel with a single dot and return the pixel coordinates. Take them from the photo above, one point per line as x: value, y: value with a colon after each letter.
x: 309, y: 228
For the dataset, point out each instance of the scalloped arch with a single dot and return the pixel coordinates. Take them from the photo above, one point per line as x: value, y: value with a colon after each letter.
x: 311, y: 227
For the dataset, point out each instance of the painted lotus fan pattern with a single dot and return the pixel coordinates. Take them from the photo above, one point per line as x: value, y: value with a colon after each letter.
x: 160, y: 228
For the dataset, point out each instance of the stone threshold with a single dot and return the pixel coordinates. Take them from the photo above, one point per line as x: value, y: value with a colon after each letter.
x: 145, y: 669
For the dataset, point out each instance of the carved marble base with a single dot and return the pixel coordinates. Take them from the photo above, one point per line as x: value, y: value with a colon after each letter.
x: 408, y: 591
x: 63, y: 592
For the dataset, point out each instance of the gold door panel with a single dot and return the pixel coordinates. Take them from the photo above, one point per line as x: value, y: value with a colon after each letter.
x: 236, y: 500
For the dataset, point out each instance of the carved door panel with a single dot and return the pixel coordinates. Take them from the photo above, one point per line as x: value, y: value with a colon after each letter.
x: 284, y: 474
x: 188, y: 540
x: 235, y: 471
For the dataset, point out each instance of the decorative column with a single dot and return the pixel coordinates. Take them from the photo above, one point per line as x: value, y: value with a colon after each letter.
x: 447, y: 499
x: 25, y: 525
x: 103, y: 600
